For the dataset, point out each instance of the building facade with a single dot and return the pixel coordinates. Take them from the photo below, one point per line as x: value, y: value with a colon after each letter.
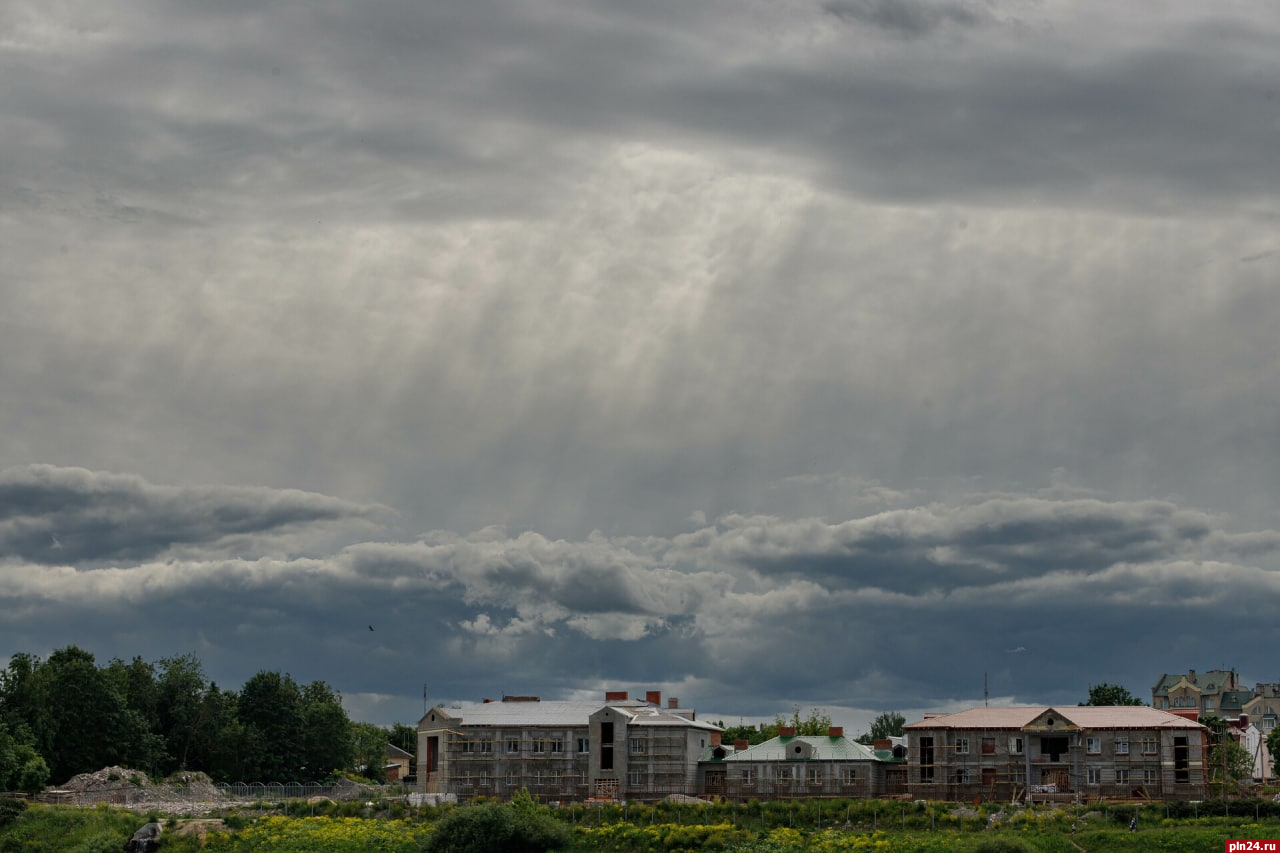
x: 792, y: 766
x: 1039, y: 752
x: 1214, y: 692
x: 563, y: 750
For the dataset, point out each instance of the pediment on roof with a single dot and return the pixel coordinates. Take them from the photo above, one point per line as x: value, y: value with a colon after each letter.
x: 436, y: 718
x: 1050, y: 720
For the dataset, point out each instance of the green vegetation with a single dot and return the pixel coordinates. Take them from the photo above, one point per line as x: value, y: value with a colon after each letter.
x: 1111, y: 694
x: 776, y: 827
x: 886, y: 725
x: 817, y: 723
x: 67, y: 715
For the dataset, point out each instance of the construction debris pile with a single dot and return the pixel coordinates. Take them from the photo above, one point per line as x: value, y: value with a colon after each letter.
x: 181, y: 793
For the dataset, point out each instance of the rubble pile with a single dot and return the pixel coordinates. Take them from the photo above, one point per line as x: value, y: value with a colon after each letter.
x: 181, y: 793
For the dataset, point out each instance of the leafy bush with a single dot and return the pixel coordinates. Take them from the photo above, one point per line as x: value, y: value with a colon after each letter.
x: 516, y: 827
x: 10, y: 810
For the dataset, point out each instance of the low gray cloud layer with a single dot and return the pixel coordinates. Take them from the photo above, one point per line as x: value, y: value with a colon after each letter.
x: 599, y: 343
x: 900, y: 608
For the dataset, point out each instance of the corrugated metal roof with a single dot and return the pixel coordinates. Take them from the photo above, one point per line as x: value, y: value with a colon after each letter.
x: 824, y: 749
x: 1084, y: 716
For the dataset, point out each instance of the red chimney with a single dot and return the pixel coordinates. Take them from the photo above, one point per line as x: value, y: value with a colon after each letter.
x: 835, y: 731
x: 882, y: 743
x: 653, y: 697
x: 786, y: 731
x: 715, y: 738
x: 615, y: 696
x: 673, y: 703
x: 741, y: 744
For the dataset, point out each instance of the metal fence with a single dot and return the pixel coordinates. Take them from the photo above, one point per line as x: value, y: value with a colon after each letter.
x: 340, y: 790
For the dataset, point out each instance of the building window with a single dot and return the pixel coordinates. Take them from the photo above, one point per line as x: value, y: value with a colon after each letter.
x: 637, y: 746
x: 1093, y: 745
x: 484, y: 778
x: 1015, y: 746
x: 1122, y: 744
x: 1149, y: 745
x: 538, y: 747
x: 1208, y: 703
x: 486, y: 746
x: 782, y: 774
x: 513, y: 745
x: 815, y: 776
x: 850, y: 775
x: 1091, y: 776
x: 1148, y: 777
x: 1122, y: 777
x: 962, y: 746
x: 926, y: 759
x: 962, y: 775
x: 747, y: 778
x: 635, y: 778
x: 557, y: 745
x: 988, y: 746
x: 584, y: 744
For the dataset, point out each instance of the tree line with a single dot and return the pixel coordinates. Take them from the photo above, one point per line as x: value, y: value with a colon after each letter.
x: 68, y: 715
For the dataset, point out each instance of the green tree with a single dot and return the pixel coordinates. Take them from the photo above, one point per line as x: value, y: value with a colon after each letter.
x: 327, y: 742
x: 369, y: 743
x: 85, y: 724
x: 888, y: 724
x: 1111, y: 694
x: 751, y: 734
x: 180, y: 710
x: 271, y: 711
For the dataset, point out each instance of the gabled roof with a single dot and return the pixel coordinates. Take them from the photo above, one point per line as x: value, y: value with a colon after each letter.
x: 821, y: 748
x: 1074, y: 716
x: 394, y: 751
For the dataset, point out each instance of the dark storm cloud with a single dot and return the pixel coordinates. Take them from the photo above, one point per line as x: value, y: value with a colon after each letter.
x: 70, y: 516
x: 725, y: 608
x: 948, y: 547
x: 907, y: 18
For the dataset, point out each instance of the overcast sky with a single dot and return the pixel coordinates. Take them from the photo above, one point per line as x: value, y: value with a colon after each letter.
x: 768, y: 353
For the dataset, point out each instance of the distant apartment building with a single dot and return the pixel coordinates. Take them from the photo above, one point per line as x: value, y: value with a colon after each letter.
x: 1216, y: 692
x: 1079, y: 752
x: 621, y: 748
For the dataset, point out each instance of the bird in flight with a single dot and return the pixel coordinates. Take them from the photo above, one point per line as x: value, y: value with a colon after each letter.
x: 370, y: 627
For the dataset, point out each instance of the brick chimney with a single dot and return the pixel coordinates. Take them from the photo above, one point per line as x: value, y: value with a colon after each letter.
x: 673, y: 703
x: 835, y: 731
x: 741, y: 744
x: 653, y: 697
x: 715, y: 738
x: 615, y: 696
x: 882, y: 743
x: 786, y: 731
